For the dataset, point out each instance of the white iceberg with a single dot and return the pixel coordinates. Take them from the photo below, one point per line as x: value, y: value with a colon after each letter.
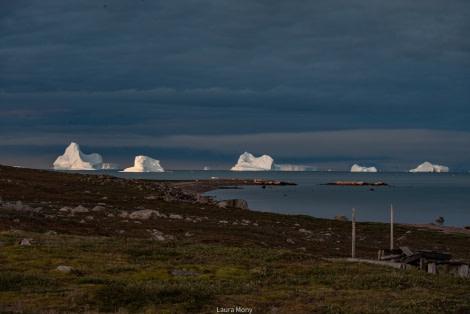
x: 357, y: 168
x: 429, y: 167
x: 145, y: 164
x: 110, y: 166
x: 248, y: 162
x: 289, y: 167
x: 74, y: 159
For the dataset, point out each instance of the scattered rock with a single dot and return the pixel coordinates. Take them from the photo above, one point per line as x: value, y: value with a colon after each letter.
x: 235, y: 203
x: 19, y: 206
x: 305, y: 231
x: 65, y: 269
x: 176, y: 216
x: 170, y: 237
x: 144, y: 214
x: 27, y: 241
x: 98, y: 208
x: 340, y: 218
x: 159, y: 236
x: 79, y: 209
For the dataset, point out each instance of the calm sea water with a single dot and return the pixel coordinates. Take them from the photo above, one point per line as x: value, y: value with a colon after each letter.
x: 416, y: 197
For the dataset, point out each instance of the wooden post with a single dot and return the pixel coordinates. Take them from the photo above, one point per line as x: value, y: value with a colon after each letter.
x: 422, y: 263
x: 463, y: 270
x: 391, y: 226
x: 433, y: 268
x: 446, y: 268
x: 353, y: 218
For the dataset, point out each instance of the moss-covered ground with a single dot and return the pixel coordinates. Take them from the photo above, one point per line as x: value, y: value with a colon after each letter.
x: 217, y: 259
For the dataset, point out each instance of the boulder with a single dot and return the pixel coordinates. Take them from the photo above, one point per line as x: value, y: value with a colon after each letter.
x: 79, y: 209
x: 176, y: 216
x: 98, y: 208
x: 26, y: 241
x: 340, y: 218
x: 144, y: 214
x: 65, y: 269
x: 234, y: 203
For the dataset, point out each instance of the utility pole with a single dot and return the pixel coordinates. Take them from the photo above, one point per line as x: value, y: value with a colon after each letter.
x: 353, y: 218
x: 391, y: 226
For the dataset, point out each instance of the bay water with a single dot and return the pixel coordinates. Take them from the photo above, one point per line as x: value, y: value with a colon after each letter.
x: 417, y: 198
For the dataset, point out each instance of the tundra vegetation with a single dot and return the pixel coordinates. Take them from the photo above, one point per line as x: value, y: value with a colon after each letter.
x: 86, y: 252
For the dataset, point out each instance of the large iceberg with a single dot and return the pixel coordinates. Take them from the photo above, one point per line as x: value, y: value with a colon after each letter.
x: 248, y: 162
x: 145, y: 164
x: 357, y: 168
x: 429, y: 167
x: 74, y: 159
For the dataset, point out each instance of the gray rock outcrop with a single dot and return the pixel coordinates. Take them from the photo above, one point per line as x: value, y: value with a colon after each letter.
x: 235, y: 203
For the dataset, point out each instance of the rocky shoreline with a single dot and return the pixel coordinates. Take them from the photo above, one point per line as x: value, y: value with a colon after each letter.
x: 105, y: 205
x: 202, y: 186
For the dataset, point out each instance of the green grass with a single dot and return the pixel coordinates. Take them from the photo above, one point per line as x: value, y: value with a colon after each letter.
x: 25, y: 282
x: 134, y: 275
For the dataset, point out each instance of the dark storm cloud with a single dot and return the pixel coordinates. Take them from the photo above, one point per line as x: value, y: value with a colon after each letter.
x: 103, y: 72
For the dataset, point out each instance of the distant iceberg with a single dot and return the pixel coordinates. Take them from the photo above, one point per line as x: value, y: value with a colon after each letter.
x: 248, y: 162
x: 145, y: 164
x: 357, y: 168
x: 429, y: 167
x: 288, y: 167
x: 110, y: 166
x: 74, y: 159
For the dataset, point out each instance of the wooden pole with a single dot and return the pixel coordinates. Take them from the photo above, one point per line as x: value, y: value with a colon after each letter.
x: 391, y: 226
x: 353, y: 252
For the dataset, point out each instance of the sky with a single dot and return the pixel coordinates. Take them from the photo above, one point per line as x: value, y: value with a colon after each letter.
x: 196, y: 83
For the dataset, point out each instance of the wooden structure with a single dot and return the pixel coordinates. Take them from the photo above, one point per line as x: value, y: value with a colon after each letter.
x: 425, y: 260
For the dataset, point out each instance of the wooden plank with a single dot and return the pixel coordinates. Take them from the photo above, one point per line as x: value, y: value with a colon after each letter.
x: 387, y: 257
x: 413, y: 259
x: 436, y: 255
x: 406, y: 250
